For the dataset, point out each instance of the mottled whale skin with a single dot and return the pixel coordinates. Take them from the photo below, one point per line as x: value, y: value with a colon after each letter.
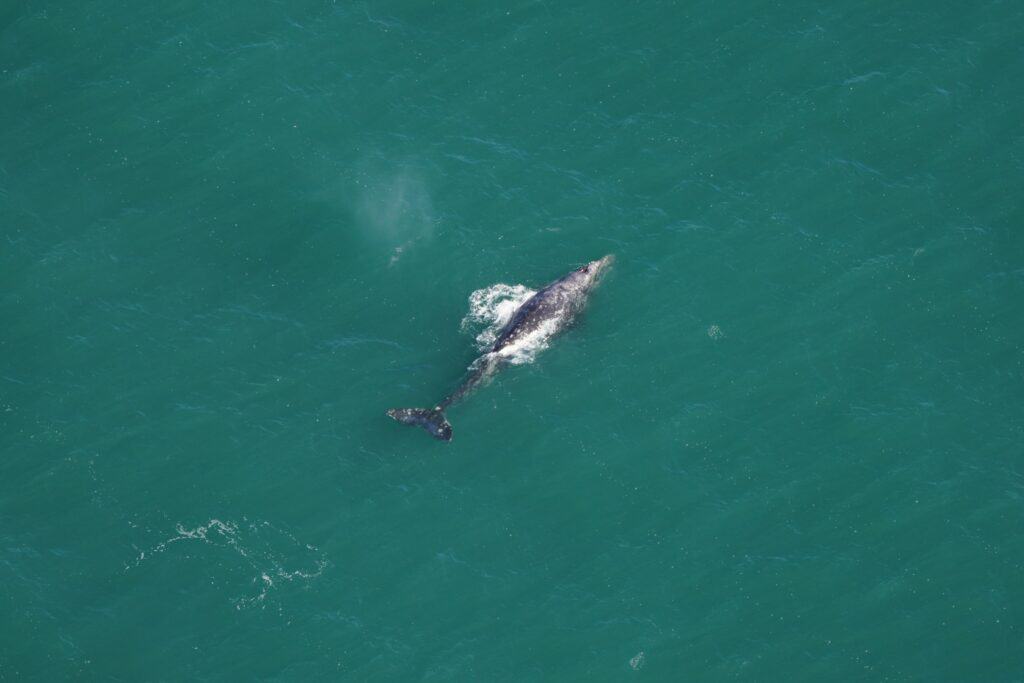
x: 552, y: 308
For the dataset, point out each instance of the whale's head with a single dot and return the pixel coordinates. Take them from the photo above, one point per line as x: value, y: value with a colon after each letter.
x: 589, y: 275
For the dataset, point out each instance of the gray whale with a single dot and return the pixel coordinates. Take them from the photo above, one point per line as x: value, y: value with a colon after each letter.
x: 548, y: 311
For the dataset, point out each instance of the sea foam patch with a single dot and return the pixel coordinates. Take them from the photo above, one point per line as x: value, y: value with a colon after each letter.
x: 270, y: 557
x: 491, y: 308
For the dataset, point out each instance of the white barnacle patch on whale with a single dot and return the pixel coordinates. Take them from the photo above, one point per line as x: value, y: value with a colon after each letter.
x: 526, y: 347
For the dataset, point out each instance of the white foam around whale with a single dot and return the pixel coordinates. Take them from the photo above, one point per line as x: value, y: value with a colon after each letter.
x: 491, y: 308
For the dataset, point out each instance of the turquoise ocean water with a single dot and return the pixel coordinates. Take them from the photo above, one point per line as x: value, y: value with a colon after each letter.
x: 785, y: 442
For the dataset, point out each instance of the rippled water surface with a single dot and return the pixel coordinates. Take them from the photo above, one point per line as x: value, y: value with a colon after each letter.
x: 783, y: 443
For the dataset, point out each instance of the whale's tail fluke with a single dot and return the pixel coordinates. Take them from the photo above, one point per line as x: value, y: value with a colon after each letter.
x: 431, y: 419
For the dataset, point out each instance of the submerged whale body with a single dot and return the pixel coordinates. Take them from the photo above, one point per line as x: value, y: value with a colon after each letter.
x: 540, y: 317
